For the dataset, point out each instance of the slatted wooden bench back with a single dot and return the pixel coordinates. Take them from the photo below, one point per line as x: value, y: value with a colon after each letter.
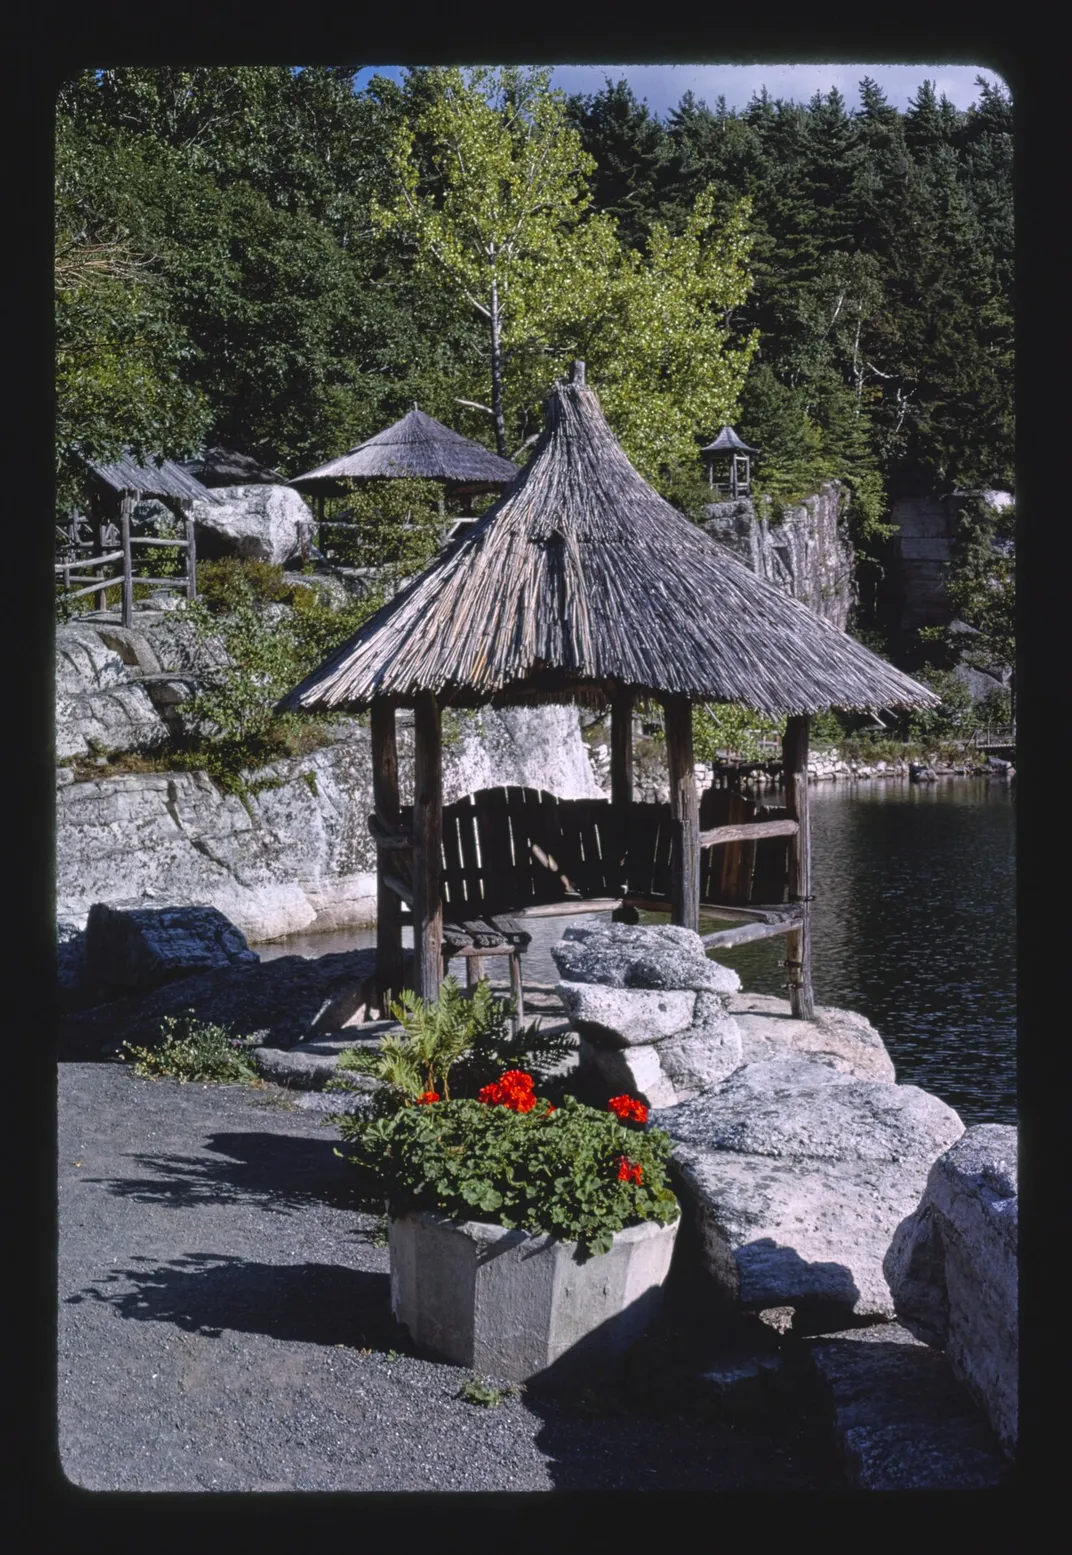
x: 505, y: 849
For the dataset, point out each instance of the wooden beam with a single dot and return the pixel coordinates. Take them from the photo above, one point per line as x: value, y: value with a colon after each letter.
x: 428, y: 844
x: 684, y: 813
x: 725, y: 939
x: 749, y: 831
x: 388, y: 907
x: 798, y: 951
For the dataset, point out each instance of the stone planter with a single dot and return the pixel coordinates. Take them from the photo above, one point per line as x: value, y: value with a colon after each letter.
x: 512, y: 1305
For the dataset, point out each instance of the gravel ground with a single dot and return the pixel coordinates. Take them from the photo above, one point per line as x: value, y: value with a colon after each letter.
x: 224, y: 1324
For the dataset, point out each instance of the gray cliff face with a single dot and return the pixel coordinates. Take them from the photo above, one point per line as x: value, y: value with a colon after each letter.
x: 296, y: 853
x: 803, y: 550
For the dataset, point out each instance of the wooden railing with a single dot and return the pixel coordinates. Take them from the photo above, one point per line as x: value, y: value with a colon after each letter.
x: 122, y: 566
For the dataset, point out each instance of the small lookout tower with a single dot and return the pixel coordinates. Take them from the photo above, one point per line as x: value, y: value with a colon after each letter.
x: 729, y: 451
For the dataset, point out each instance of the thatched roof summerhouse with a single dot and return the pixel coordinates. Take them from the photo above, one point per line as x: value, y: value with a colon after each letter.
x: 417, y: 446
x: 226, y: 467
x: 581, y: 584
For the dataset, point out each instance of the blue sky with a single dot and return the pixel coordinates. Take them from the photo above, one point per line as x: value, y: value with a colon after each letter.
x: 663, y: 86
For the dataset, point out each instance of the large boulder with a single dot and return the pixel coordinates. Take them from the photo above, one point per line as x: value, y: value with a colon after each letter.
x: 142, y: 949
x: 952, y: 1268
x: 257, y: 522
x: 625, y: 1017
x: 797, y: 1177
x: 650, y: 1009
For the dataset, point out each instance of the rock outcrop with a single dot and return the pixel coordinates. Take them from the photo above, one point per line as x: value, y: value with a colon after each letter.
x: 801, y: 549
x: 294, y: 853
x: 797, y: 1177
x: 952, y: 1268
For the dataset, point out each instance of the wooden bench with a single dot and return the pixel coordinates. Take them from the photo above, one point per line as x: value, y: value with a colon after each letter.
x: 509, y: 854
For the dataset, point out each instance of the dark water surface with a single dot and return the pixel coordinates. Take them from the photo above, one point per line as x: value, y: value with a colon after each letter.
x: 913, y: 925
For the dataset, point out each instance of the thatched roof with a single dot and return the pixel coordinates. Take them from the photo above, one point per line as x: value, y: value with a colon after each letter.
x: 151, y: 480
x: 581, y: 577
x: 727, y: 442
x: 225, y: 467
x: 418, y: 445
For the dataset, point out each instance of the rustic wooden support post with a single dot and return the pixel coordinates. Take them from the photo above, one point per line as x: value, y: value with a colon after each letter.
x: 125, y: 506
x: 389, y: 981
x: 427, y: 844
x: 191, y: 551
x: 685, y: 814
x: 621, y: 768
x: 798, y: 952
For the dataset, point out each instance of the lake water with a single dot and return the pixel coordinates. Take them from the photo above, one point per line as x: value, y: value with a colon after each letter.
x: 913, y: 925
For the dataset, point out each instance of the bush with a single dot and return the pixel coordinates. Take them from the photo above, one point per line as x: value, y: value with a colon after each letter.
x: 725, y: 726
x: 191, y: 1049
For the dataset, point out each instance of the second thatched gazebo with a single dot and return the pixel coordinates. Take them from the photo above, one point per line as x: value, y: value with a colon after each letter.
x: 581, y: 584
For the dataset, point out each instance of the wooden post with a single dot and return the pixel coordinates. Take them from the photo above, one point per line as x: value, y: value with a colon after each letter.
x: 98, y: 535
x: 798, y: 952
x: 621, y: 771
x: 125, y: 506
x: 191, y: 551
x: 388, y: 906
x: 427, y: 844
x: 685, y: 814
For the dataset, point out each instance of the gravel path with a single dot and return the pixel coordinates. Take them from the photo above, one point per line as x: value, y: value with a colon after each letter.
x: 224, y: 1324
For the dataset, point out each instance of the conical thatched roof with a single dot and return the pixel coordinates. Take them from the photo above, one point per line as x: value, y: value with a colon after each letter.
x: 226, y: 467
x: 418, y: 445
x: 582, y: 576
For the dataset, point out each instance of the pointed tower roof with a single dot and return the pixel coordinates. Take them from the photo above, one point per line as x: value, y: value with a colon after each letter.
x: 581, y: 577
x: 727, y: 442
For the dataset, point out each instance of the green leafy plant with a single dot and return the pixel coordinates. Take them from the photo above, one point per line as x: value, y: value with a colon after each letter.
x: 457, y: 1040
x: 476, y: 1391
x: 191, y: 1049
x: 509, y: 1157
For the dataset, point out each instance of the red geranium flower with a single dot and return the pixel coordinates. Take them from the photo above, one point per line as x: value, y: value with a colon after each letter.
x: 629, y: 1171
x: 515, y: 1090
x: 426, y: 1098
x: 628, y: 1109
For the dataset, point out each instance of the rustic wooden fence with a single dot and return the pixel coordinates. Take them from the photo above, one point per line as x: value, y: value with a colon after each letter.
x: 79, y: 574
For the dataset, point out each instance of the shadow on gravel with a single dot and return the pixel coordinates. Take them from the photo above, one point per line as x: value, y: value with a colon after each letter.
x: 308, y: 1303
x: 273, y: 1172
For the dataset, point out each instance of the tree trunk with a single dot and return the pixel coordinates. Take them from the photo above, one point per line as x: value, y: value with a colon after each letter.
x: 497, y: 373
